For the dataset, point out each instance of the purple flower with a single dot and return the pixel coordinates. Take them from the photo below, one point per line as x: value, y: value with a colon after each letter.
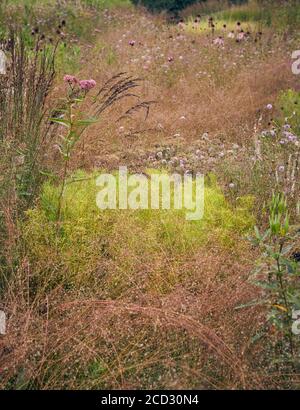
x: 281, y: 168
x: 87, y: 84
x: 70, y: 79
x: 292, y: 138
x: 269, y: 107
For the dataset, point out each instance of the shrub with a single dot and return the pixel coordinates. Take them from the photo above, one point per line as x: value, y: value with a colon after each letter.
x: 160, y: 5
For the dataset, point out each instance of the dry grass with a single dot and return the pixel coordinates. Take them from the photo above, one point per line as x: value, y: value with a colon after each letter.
x: 204, y: 89
x: 58, y: 341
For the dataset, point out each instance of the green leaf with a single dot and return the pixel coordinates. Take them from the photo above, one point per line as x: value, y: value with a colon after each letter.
x: 64, y: 123
x: 255, y: 302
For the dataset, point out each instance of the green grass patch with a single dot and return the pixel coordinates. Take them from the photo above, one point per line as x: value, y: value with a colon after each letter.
x: 114, y: 250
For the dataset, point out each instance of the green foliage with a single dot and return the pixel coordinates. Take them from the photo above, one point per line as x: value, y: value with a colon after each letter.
x: 289, y: 104
x: 107, y: 249
x: 277, y: 274
x: 168, y: 5
x: 279, y: 16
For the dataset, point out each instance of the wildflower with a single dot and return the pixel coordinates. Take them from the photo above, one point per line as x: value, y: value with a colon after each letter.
x: 241, y: 36
x: 231, y: 185
x: 269, y: 107
x: 281, y: 168
x: 205, y: 136
x: 131, y: 43
x: 219, y: 41
x: 170, y: 59
x: 231, y: 35
x: 292, y: 138
x: 87, y: 84
x: 71, y: 79
x: 286, y: 127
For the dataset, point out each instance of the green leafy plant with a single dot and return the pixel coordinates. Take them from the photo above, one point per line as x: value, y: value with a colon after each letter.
x: 75, y: 120
x: 278, y: 274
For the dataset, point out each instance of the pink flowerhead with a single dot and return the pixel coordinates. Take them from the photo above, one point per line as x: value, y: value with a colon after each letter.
x: 132, y: 43
x: 70, y: 79
x: 219, y: 41
x: 87, y: 84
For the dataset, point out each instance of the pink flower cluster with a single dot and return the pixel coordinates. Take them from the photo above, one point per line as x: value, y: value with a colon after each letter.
x: 87, y: 84
x: 219, y: 41
x: 83, y: 84
x: 71, y: 79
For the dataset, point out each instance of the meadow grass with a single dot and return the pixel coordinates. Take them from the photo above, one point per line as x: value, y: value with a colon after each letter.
x: 147, y: 299
x: 88, y: 236
x: 253, y: 12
